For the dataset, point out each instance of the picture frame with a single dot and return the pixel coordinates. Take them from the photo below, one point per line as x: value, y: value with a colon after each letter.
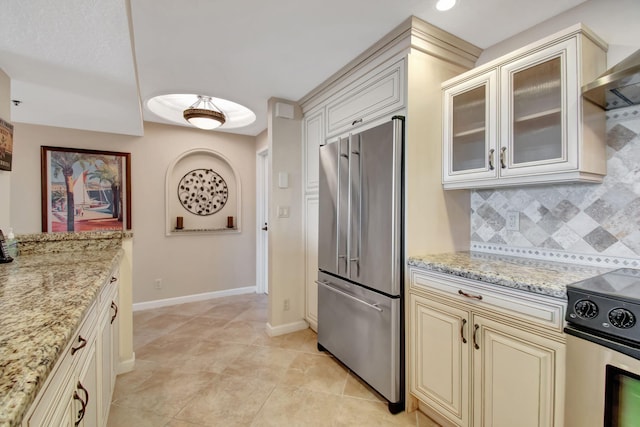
x: 6, y: 145
x: 85, y: 190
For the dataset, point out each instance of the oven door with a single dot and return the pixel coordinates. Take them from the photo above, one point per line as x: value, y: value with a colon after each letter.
x: 602, y: 385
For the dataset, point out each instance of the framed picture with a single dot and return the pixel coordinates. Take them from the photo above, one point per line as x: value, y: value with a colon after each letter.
x: 85, y: 190
x: 6, y: 145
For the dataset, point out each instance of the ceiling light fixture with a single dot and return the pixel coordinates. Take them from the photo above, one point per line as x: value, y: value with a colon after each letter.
x: 204, y: 114
x: 443, y: 5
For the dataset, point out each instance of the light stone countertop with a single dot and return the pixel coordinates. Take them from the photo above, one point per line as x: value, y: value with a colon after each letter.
x: 532, y: 275
x: 43, y: 299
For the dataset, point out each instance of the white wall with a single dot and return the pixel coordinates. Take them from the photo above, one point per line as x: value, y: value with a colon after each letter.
x: 5, y: 176
x: 615, y: 21
x: 186, y: 264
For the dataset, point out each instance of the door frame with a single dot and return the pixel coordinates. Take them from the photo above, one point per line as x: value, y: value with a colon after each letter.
x: 262, y: 212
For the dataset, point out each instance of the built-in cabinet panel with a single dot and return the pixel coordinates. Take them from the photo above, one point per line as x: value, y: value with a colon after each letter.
x: 537, y: 128
x: 474, y: 361
x: 311, y: 260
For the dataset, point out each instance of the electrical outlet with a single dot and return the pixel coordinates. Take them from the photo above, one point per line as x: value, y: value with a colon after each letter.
x: 283, y: 211
x: 286, y: 305
x: 513, y: 221
x: 158, y: 283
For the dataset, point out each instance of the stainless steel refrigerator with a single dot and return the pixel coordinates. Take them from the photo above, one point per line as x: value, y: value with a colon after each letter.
x: 360, y: 253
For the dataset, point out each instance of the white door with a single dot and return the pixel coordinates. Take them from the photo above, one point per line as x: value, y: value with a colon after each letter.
x: 262, y: 218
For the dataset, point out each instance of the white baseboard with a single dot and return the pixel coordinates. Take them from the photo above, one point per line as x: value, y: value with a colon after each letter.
x: 192, y: 298
x: 274, y: 331
x: 126, y: 365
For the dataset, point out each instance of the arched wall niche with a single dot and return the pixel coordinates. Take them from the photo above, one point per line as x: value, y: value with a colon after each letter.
x: 202, y: 159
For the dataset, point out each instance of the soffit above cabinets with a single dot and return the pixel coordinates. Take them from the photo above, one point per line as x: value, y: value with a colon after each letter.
x: 93, y: 65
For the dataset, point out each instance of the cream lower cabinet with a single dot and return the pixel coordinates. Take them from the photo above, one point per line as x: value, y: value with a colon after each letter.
x: 78, y: 391
x: 498, y: 363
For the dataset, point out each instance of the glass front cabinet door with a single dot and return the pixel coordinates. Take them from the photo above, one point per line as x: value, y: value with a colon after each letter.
x: 470, y: 124
x: 539, y: 113
x: 521, y: 118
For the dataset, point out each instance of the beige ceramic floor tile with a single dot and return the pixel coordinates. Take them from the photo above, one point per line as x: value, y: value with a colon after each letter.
x: 130, y: 380
x: 305, y: 340
x: 355, y: 387
x: 424, y: 421
x: 297, y: 407
x: 232, y: 401
x: 226, y: 311
x: 358, y: 412
x: 181, y: 423
x: 317, y: 373
x: 212, y: 356
x: 266, y: 363
x: 125, y: 417
x: 200, y: 327
x: 166, y: 392
x: 162, y: 324
x: 242, y: 331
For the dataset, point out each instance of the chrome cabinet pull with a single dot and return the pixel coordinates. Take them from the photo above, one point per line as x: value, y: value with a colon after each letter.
x: 83, y: 403
x: 502, y: 157
x: 491, y: 155
x: 464, y: 322
x: 464, y: 294
x: 355, y: 122
x: 115, y: 309
x: 82, y: 344
x: 328, y: 286
x: 475, y: 331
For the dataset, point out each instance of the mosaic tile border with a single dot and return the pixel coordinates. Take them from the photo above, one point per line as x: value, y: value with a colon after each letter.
x: 593, y: 260
x: 625, y: 113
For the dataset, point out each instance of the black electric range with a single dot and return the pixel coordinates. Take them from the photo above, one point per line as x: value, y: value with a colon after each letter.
x: 605, y: 310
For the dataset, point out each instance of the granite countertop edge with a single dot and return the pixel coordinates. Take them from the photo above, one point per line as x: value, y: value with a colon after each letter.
x: 34, y: 339
x: 530, y: 275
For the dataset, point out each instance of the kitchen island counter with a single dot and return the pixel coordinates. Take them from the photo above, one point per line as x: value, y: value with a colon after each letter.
x: 43, y: 299
x: 532, y: 275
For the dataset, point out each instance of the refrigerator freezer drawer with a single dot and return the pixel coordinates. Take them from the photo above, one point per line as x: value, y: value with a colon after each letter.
x: 361, y: 329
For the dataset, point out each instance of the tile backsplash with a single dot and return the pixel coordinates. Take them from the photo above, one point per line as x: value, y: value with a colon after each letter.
x: 599, y: 219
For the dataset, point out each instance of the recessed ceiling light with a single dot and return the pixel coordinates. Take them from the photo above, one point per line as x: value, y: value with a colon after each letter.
x: 171, y: 107
x: 443, y: 5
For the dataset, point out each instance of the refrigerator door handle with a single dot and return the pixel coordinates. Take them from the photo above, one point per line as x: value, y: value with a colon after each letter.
x: 328, y: 286
x: 356, y: 200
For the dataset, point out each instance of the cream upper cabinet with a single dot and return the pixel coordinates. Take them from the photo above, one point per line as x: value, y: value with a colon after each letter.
x: 376, y: 94
x: 483, y: 355
x: 470, y: 129
x: 313, y: 135
x: 536, y: 127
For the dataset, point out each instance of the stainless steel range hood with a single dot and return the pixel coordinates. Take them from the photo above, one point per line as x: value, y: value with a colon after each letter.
x: 618, y: 87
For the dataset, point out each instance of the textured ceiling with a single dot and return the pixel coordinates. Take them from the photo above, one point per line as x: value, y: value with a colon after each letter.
x: 76, y: 64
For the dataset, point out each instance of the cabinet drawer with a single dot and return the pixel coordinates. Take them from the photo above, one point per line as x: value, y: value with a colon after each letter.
x: 520, y: 305
x: 375, y: 94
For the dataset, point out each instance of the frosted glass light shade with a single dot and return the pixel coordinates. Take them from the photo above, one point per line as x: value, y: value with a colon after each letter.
x: 443, y: 5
